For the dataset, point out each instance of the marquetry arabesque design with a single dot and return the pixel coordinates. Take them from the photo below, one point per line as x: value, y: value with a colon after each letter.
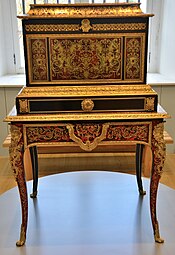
x: 85, y: 58
x: 88, y: 135
x: 39, y: 59
x: 133, y: 58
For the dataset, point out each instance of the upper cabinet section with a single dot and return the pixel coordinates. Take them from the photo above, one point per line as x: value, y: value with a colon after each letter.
x: 85, y: 44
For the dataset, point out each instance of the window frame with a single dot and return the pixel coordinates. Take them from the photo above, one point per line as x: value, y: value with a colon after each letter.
x: 17, y: 53
x: 154, y: 34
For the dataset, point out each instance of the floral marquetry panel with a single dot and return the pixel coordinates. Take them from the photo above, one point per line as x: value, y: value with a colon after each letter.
x: 86, y: 58
x: 40, y: 134
x: 134, y: 57
x: 102, y: 58
x: 87, y: 132
x: 87, y: 135
x: 129, y: 132
x: 38, y: 56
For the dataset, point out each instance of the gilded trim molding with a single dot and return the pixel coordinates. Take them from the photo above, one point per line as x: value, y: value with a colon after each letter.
x: 88, y: 116
x: 67, y: 91
x: 93, y: 27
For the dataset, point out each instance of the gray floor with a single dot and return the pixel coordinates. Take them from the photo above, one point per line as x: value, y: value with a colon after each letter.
x: 88, y: 213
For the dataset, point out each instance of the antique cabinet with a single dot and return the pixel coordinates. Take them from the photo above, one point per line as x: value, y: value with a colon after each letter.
x: 91, y: 53
x: 86, y: 89
x: 83, y: 44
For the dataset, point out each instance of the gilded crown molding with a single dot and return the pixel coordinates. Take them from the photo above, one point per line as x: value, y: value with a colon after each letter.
x: 84, y: 10
x: 69, y: 91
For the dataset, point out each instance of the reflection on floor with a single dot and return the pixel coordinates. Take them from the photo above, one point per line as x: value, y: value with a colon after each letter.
x: 51, y: 164
x: 82, y: 213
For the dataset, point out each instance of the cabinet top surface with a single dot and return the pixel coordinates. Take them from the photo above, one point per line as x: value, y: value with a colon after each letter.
x: 113, y: 116
x: 84, y: 10
x: 79, y: 91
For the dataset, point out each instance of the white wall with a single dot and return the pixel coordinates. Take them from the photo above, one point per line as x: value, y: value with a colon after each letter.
x: 167, y: 47
x: 7, y: 30
x: 3, y: 126
x: 166, y: 95
x: 154, y: 7
x: 7, y: 100
x: 3, y: 63
x: 167, y: 62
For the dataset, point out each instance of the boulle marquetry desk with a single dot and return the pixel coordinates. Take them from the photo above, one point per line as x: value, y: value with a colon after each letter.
x: 87, y: 132
x: 86, y: 89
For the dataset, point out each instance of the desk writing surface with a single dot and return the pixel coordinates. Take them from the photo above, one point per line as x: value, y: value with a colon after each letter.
x: 13, y: 117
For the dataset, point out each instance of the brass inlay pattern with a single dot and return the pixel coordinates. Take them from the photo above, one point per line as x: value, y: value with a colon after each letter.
x: 86, y: 58
x: 23, y: 106
x: 43, y: 133
x: 38, y: 62
x: 74, y: 27
x: 15, y: 149
x: 134, y: 57
x: 76, y: 59
x: 51, y: 27
x: 159, y: 148
x: 130, y: 132
x: 87, y: 136
x: 119, y: 27
x: 149, y: 103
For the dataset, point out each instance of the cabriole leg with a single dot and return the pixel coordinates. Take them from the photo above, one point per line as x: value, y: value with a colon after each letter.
x: 16, y: 151
x: 158, y: 149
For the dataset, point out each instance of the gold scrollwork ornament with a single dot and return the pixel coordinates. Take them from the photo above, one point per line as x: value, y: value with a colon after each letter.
x: 85, y: 25
x: 160, y: 148
x: 149, y: 104
x: 23, y: 106
x: 87, y: 105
